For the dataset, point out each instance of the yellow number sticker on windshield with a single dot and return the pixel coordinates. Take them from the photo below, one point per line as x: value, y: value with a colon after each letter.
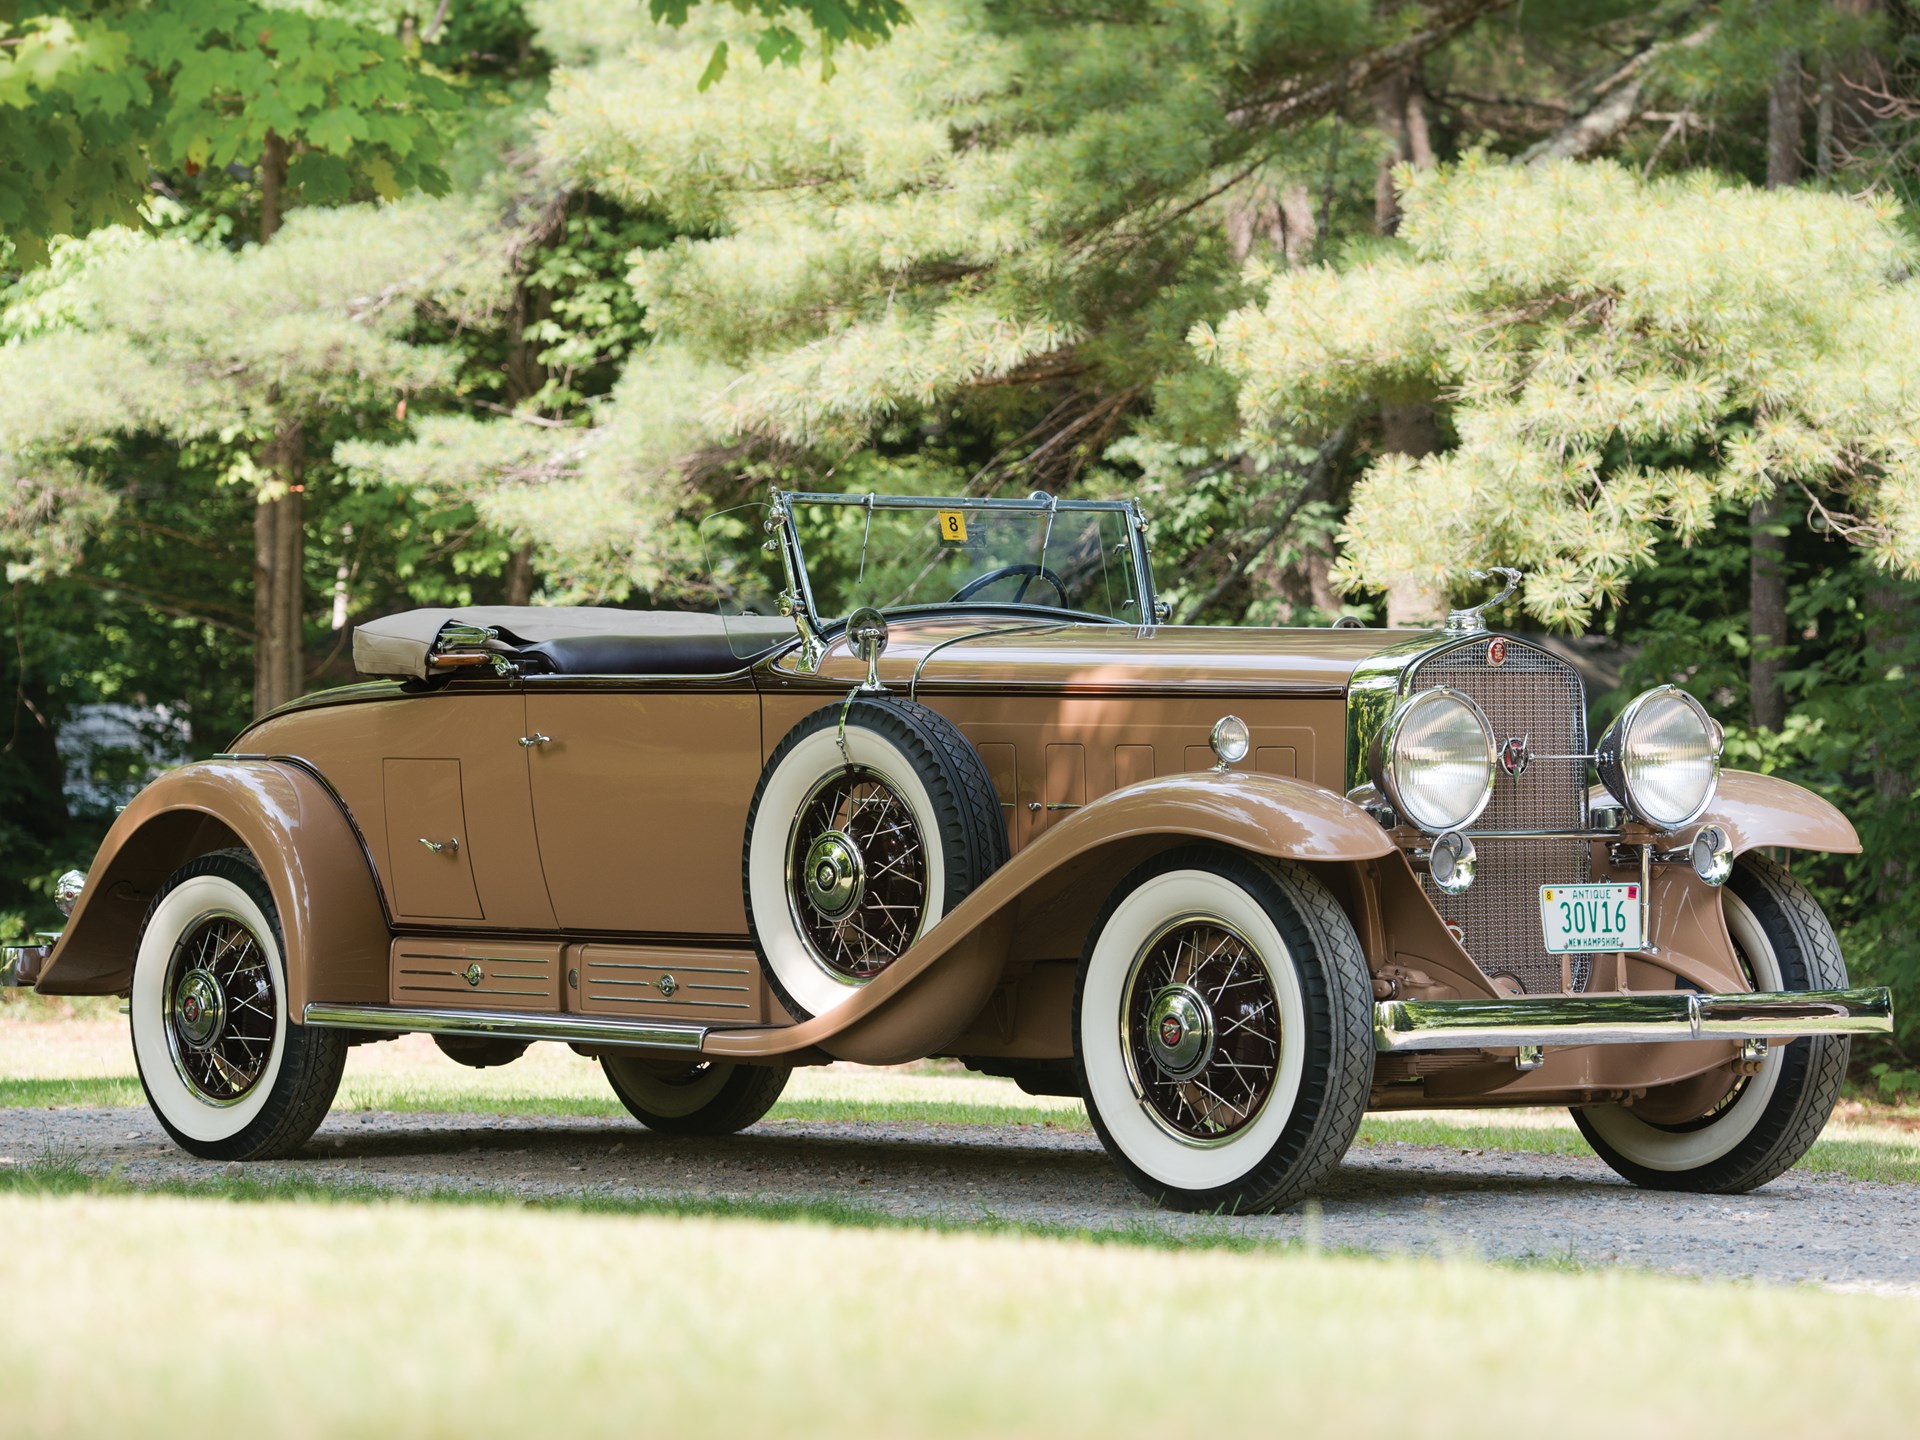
x: 953, y: 528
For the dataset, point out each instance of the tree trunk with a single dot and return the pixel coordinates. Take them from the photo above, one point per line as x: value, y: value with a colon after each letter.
x: 1767, y: 620
x: 279, y: 520
x: 1401, y: 113
x: 1766, y: 570
x: 1890, y: 607
x: 273, y: 185
x: 279, y: 582
x: 1411, y: 430
x: 520, y: 576
x: 1783, y: 121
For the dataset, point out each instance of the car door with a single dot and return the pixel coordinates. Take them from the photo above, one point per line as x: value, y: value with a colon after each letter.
x: 640, y: 798
x: 436, y: 782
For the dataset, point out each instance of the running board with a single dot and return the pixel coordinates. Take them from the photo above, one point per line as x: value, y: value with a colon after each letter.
x: 574, y: 1029
x: 1628, y: 1019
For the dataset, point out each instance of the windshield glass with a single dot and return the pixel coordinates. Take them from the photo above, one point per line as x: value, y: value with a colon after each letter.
x: 897, y: 554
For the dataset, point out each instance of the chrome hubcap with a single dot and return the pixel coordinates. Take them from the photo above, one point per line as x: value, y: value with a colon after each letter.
x: 220, y: 1010
x: 200, y: 1008
x: 1180, y: 1027
x: 856, y: 874
x: 836, y: 876
x: 1201, y: 1031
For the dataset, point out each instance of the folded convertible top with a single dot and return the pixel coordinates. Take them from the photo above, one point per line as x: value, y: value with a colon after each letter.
x: 575, y: 639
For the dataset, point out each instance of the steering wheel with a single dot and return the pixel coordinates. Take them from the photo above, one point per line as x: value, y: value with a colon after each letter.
x: 1026, y: 569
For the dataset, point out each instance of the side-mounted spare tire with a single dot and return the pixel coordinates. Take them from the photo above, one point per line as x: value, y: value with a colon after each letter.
x: 871, y: 821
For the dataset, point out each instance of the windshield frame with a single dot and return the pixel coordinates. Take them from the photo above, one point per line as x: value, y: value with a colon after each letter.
x: 798, y: 600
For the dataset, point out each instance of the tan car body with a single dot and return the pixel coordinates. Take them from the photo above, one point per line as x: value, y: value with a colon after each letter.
x: 590, y: 832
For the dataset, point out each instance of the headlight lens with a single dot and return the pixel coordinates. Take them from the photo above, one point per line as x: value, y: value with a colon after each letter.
x: 1661, y: 758
x: 1434, y: 761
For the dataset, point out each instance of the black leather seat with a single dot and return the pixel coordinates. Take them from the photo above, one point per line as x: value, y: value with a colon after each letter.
x: 715, y: 652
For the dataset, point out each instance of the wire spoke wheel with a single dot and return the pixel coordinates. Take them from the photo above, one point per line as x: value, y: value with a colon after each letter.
x: 1202, y: 1030
x: 856, y: 873
x: 218, y: 995
x: 873, y: 818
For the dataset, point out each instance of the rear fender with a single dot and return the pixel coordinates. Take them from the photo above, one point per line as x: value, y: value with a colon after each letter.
x: 314, y: 862
x: 1042, y: 903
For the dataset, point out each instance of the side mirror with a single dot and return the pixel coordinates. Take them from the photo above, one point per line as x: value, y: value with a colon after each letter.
x: 867, y: 639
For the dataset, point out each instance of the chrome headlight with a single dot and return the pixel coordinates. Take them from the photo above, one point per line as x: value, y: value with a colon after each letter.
x: 1661, y: 758
x: 1434, y: 761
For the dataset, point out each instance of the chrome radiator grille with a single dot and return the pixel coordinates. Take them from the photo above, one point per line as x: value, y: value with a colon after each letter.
x: 1535, y: 694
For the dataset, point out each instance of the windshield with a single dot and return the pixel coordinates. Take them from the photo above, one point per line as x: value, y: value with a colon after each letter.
x: 896, y: 553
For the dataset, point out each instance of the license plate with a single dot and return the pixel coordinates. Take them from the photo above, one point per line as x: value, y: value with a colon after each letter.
x: 1576, y: 918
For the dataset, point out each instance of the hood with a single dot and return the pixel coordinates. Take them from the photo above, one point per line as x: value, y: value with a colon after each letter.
x: 1017, y: 654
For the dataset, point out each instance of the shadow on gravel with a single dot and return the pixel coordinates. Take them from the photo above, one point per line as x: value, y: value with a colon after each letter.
x: 985, y: 1171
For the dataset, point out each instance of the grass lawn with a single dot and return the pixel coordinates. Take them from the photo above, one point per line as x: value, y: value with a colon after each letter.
x: 323, y: 1311
x: 396, y: 1319
x: 56, y: 1055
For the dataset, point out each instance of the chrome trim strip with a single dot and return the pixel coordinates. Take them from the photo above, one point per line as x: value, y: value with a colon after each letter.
x: 913, y: 685
x: 576, y: 1029
x: 936, y: 502
x: 1374, y: 691
x: 1629, y: 1019
x: 360, y: 692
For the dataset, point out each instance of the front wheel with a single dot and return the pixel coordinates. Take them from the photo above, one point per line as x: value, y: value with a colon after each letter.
x: 1759, y: 1125
x: 710, y: 1097
x: 227, y: 1074
x: 1222, y: 1028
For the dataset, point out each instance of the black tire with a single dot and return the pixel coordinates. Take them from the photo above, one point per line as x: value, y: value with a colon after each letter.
x: 712, y: 1097
x: 213, y: 912
x: 1767, y: 1122
x: 932, y: 824
x: 1274, y: 1145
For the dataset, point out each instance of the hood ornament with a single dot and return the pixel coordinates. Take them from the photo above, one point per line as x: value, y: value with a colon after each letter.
x: 1469, y: 621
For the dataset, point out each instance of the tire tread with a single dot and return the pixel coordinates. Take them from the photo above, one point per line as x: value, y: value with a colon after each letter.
x: 314, y: 1062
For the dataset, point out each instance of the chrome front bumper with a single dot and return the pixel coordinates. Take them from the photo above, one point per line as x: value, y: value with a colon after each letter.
x: 1628, y: 1019
x: 22, y: 965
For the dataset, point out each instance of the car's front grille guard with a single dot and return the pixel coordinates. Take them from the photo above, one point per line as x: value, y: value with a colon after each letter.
x: 1534, y: 694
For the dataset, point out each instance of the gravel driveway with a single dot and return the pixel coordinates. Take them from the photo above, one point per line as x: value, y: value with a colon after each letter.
x: 1386, y: 1198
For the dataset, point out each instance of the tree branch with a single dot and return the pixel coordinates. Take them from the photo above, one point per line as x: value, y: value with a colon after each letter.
x: 1612, y: 105
x: 1306, y: 100
x: 1319, y: 473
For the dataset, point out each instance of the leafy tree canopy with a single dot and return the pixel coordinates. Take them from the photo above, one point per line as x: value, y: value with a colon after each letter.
x: 1617, y: 357
x: 129, y: 335
x: 96, y: 94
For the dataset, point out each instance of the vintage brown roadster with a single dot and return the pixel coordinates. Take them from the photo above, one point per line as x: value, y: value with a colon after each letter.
x: 971, y: 797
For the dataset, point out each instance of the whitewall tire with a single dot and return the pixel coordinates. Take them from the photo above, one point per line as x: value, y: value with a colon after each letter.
x: 870, y: 822
x: 227, y: 1074
x: 1222, y: 1030
x: 1763, y: 1123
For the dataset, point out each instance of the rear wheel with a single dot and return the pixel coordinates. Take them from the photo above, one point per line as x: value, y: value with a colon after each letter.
x: 708, y: 1098
x: 226, y: 1072
x: 1759, y: 1125
x: 1222, y: 1027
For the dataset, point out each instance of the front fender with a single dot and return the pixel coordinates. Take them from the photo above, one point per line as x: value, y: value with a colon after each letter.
x: 1045, y: 898
x: 1758, y: 810
x: 315, y: 864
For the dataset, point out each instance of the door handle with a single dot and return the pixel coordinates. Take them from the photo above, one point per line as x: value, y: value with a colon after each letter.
x: 527, y: 742
x: 451, y: 847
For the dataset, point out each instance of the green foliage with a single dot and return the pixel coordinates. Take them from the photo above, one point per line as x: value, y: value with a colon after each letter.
x: 835, y: 22
x: 1573, y: 318
x: 92, y: 96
